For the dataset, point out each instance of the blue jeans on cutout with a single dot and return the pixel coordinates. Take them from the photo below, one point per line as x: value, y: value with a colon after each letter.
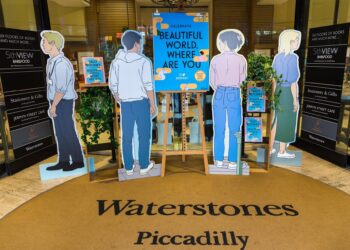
x: 226, y: 100
x: 67, y: 140
x: 139, y: 112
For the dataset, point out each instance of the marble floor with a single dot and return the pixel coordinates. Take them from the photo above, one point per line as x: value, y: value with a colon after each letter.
x: 25, y: 185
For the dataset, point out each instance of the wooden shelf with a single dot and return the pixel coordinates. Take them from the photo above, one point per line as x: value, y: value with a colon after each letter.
x: 92, y: 85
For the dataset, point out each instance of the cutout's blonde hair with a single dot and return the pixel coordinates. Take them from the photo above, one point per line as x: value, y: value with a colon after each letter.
x: 285, y: 38
x: 55, y: 37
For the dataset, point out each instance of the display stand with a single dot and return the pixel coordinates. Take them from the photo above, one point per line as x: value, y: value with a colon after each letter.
x: 262, y: 167
x: 184, y: 150
x: 83, y: 88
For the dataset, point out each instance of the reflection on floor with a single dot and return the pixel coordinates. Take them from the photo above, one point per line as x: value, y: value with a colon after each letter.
x: 23, y: 186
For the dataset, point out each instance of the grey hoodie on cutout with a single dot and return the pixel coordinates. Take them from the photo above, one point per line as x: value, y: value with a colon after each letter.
x: 130, y: 76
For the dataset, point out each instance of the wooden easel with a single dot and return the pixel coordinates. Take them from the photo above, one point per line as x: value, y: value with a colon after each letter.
x: 184, y: 150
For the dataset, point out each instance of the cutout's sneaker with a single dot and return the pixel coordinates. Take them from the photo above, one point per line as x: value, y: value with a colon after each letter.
x: 146, y: 170
x: 219, y: 164
x: 130, y: 172
x: 272, y: 151
x: 285, y: 155
x: 232, y: 166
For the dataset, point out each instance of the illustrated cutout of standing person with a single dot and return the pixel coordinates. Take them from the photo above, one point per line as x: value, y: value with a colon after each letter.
x: 227, y: 72
x: 286, y: 62
x: 131, y: 82
x: 61, y: 95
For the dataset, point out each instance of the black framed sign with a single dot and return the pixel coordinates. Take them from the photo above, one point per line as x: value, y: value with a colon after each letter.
x: 22, y: 75
x: 324, y: 78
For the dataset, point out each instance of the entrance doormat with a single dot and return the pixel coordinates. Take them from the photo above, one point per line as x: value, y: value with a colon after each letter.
x: 185, y: 210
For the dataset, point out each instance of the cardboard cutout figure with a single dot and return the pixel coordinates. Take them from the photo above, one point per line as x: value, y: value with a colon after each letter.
x: 61, y: 95
x: 227, y: 72
x: 286, y: 63
x: 131, y: 82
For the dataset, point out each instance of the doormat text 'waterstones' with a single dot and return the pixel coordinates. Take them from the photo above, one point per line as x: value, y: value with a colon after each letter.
x: 214, y: 238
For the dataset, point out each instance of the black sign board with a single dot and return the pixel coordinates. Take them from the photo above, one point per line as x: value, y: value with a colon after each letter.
x: 22, y: 73
x: 324, y: 78
x: 326, y: 54
x: 325, y: 75
x: 326, y: 94
x: 329, y: 35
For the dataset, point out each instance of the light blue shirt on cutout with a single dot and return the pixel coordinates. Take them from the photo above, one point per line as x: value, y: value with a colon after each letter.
x: 60, y: 78
x: 288, y: 66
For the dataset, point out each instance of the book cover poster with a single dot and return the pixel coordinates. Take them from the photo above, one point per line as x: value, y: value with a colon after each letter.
x: 94, y: 71
x: 181, y: 51
x: 253, y: 129
x: 256, y: 99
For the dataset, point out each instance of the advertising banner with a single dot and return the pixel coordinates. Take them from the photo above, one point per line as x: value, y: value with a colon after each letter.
x: 324, y: 78
x: 181, y: 51
x: 23, y: 83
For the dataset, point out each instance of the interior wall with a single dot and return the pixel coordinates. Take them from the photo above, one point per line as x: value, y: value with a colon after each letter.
x: 326, y: 7
x: 24, y: 18
x: 283, y: 16
x: 344, y: 11
x: 85, y: 27
x: 262, y: 19
x: 230, y: 14
x: 113, y: 15
x: 91, y: 20
x: 70, y: 21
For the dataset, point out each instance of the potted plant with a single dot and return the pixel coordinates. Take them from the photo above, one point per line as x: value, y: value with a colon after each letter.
x: 96, y: 114
x: 260, y: 73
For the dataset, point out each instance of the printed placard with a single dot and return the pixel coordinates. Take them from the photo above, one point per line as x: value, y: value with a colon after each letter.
x: 181, y: 51
x: 253, y: 129
x: 94, y: 71
x: 256, y: 99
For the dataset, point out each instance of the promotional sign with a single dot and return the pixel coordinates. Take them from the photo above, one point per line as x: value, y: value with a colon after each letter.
x: 181, y: 51
x: 23, y: 82
x: 323, y: 84
x: 94, y: 71
x: 253, y: 129
x: 256, y: 99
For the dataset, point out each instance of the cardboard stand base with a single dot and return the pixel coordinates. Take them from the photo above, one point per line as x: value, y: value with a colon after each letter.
x: 56, y: 174
x: 292, y: 162
x: 155, y: 171
x: 213, y: 169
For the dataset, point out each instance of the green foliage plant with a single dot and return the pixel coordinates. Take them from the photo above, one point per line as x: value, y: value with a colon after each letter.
x: 261, y: 73
x: 96, y: 114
